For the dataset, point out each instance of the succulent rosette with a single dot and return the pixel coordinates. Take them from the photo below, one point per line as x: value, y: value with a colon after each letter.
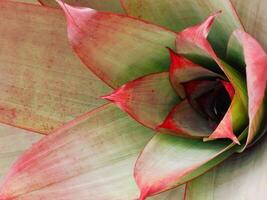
x: 183, y: 85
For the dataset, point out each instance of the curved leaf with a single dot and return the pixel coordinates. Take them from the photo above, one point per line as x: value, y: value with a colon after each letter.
x: 193, y: 40
x: 252, y: 15
x: 43, y: 85
x: 183, y: 120
x: 242, y: 176
x: 13, y: 142
x: 91, y: 157
x: 234, y: 121
x: 183, y: 70
x: 177, y: 15
x: 168, y: 161
x: 256, y: 71
x: 117, y: 48
x: 101, y: 5
x: 148, y: 99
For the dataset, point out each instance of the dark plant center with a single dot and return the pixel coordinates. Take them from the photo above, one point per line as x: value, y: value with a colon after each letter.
x: 221, y: 103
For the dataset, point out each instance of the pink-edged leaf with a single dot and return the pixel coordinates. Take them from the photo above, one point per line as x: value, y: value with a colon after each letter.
x: 193, y: 40
x: 252, y: 15
x: 256, y: 73
x: 168, y: 161
x: 177, y: 15
x: 148, y: 99
x: 183, y: 120
x: 225, y: 127
x: 102, y: 5
x: 13, y: 142
x: 117, y: 48
x: 43, y: 84
x: 91, y: 157
x: 242, y: 176
x: 183, y: 70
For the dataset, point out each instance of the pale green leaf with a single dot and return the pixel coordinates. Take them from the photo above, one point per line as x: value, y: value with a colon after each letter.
x: 241, y: 177
x: 13, y: 142
x: 177, y: 15
x: 102, y: 5
x: 91, y: 157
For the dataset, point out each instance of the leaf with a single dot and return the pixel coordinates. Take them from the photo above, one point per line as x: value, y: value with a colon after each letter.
x: 43, y: 85
x: 183, y: 120
x: 174, y: 194
x: 234, y: 121
x: 252, y: 15
x: 117, y: 48
x: 178, y: 15
x: 243, y: 176
x: 256, y: 71
x: 101, y: 5
x: 194, y: 40
x: 91, y: 157
x: 148, y: 99
x: 183, y: 70
x: 27, y: 1
x: 168, y: 161
x: 13, y: 142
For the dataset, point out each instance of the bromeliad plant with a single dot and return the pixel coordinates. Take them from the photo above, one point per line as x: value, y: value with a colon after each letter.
x: 195, y: 92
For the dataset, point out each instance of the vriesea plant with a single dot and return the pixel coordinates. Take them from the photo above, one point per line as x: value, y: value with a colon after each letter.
x: 183, y: 85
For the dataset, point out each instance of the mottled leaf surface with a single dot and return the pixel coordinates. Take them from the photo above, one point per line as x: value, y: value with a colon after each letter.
x: 43, y: 84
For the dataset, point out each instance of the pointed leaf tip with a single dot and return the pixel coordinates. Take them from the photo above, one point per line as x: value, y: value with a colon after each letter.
x: 147, y: 96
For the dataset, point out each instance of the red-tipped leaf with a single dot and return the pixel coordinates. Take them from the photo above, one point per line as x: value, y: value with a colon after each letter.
x: 115, y: 47
x: 183, y: 120
x: 256, y: 73
x: 148, y: 99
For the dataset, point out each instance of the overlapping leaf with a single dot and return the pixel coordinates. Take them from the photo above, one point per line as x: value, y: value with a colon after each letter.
x: 242, y: 176
x: 168, y: 161
x: 178, y: 15
x: 43, y: 84
x: 117, y: 48
x: 252, y: 15
x: 13, y: 142
x: 90, y: 157
x: 193, y: 40
x: 148, y: 99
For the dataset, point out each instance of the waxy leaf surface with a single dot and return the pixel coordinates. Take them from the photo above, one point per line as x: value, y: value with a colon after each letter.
x: 168, y: 161
x: 242, y: 176
x: 43, y: 84
x: 177, y: 15
x: 91, y: 157
x: 117, y: 48
x: 256, y: 73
